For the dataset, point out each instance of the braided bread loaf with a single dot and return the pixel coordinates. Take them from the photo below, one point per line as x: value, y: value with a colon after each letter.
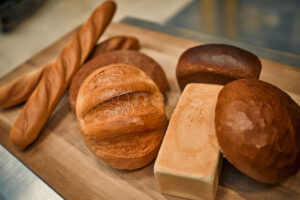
x: 56, y: 78
x: 120, y: 113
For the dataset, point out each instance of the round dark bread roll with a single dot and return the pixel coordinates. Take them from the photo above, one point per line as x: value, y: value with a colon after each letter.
x: 258, y: 130
x: 128, y: 57
x: 216, y: 64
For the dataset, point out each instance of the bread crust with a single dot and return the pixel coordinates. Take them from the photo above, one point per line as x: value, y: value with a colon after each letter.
x: 56, y: 78
x: 217, y: 64
x: 19, y: 90
x: 129, y: 57
x: 119, y: 42
x: 258, y: 130
x: 121, y: 116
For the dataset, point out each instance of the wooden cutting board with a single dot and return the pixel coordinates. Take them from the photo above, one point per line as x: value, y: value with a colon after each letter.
x: 61, y: 159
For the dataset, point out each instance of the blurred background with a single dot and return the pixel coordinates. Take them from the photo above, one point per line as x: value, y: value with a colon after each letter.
x: 272, y: 24
x: 28, y: 26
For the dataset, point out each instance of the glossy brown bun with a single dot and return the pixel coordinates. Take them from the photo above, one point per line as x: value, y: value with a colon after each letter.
x: 258, y: 130
x: 140, y: 60
x: 120, y: 113
x: 216, y: 64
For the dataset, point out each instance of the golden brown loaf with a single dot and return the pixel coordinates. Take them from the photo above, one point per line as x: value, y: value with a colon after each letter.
x: 120, y: 113
x: 258, y: 130
x: 56, y: 78
x: 119, y: 42
x: 217, y: 64
x: 20, y: 89
x: 140, y: 60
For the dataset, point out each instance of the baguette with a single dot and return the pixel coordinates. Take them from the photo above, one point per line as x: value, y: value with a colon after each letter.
x: 119, y: 42
x: 19, y: 90
x: 56, y: 78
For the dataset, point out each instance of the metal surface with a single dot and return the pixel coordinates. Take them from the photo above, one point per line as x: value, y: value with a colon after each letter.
x: 17, y: 182
x: 270, y: 54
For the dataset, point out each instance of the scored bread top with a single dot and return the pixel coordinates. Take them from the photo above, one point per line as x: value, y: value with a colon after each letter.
x: 120, y: 112
x: 119, y: 42
x: 118, y: 94
x: 128, y: 57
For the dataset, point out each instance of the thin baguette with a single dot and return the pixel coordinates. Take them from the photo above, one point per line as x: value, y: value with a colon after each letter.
x: 19, y: 90
x: 56, y: 78
x: 120, y: 42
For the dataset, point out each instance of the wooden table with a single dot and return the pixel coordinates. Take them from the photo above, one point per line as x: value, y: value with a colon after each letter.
x: 61, y: 159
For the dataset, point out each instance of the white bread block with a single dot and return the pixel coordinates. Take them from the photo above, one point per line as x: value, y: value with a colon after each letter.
x: 188, y: 164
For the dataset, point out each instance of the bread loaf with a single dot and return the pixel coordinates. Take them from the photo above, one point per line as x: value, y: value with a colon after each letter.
x: 19, y: 90
x: 56, y: 78
x: 216, y: 64
x: 140, y: 60
x: 258, y: 130
x: 120, y: 113
x: 188, y: 163
x: 119, y: 42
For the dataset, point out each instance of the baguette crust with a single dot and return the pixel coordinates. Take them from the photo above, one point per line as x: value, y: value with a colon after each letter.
x: 19, y: 90
x: 56, y: 78
x: 119, y: 42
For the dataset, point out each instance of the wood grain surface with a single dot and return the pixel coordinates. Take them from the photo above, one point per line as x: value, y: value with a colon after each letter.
x: 60, y: 157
